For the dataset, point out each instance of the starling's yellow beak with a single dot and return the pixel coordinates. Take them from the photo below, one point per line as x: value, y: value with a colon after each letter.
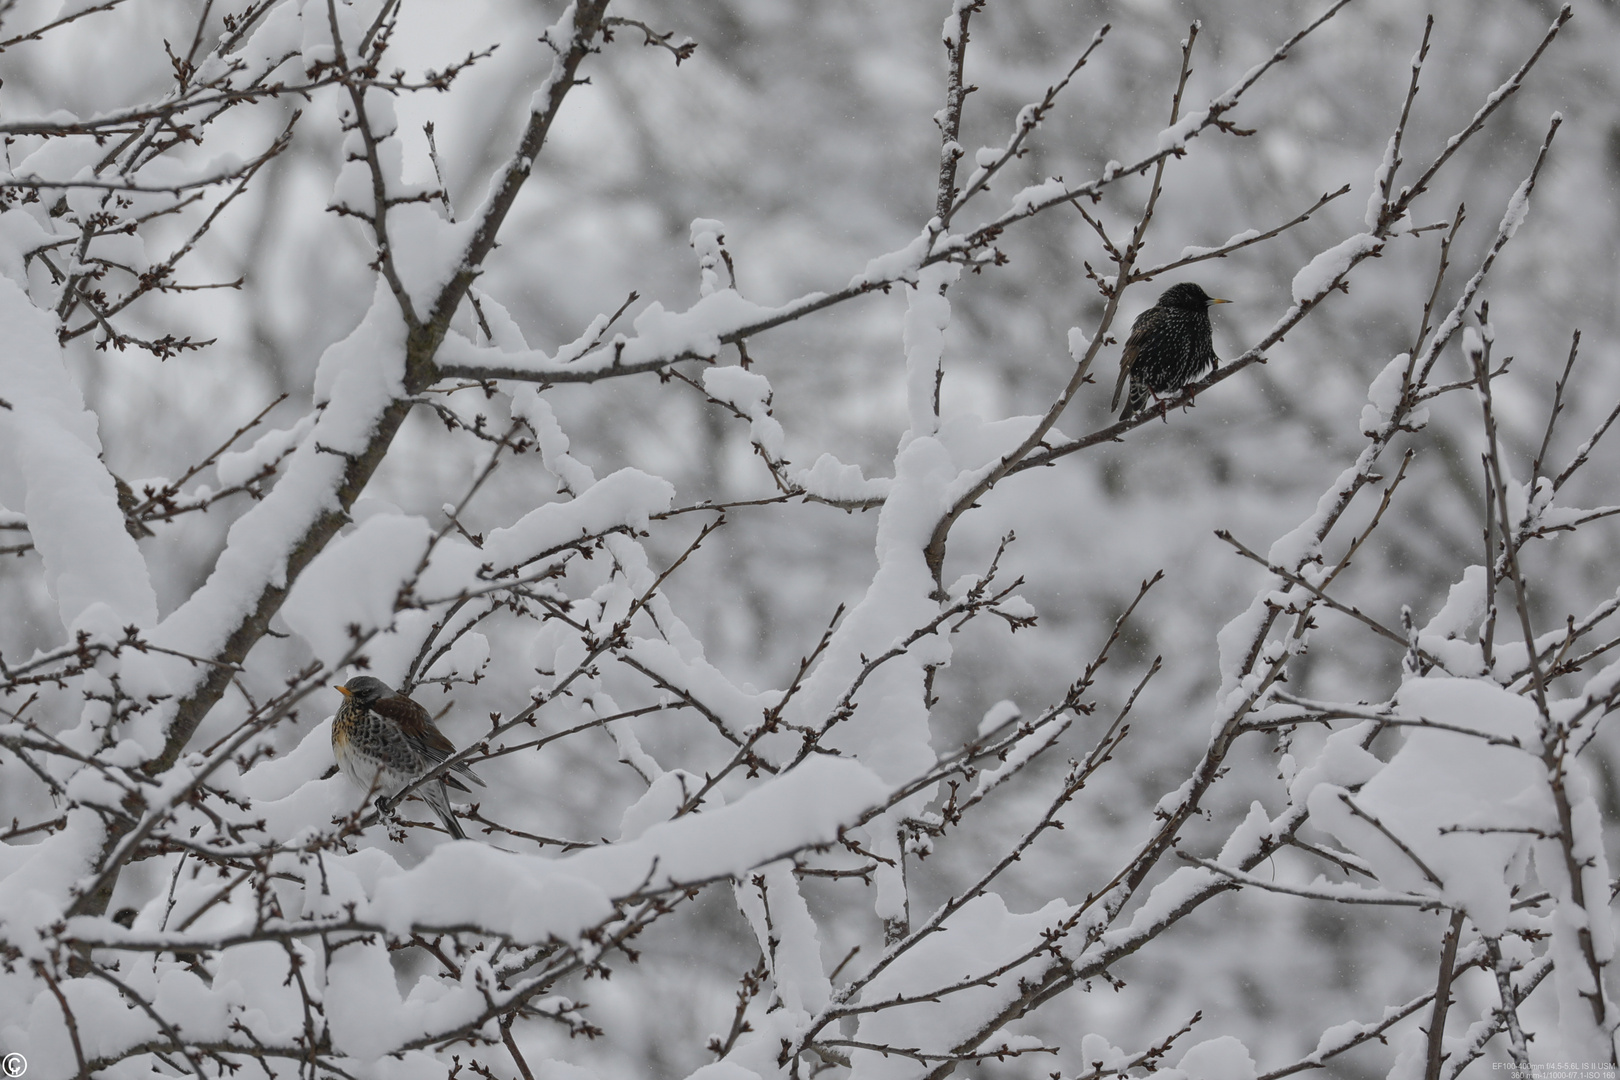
x: 1213, y: 300
x: 344, y: 690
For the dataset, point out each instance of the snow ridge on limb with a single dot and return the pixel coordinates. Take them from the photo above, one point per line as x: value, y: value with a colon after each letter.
x: 92, y: 566
x: 529, y: 899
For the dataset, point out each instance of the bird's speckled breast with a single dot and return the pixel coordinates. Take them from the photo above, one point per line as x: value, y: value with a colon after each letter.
x: 370, y: 751
x: 1186, y: 349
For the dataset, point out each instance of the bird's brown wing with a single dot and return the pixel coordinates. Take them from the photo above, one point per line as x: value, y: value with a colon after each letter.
x: 411, y: 717
x: 1127, y: 359
x: 416, y: 723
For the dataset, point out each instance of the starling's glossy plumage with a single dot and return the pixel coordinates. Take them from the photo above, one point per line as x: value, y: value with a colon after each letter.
x: 1170, y: 346
x: 383, y: 741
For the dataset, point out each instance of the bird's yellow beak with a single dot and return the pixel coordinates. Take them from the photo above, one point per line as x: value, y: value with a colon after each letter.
x: 344, y: 690
x: 1213, y: 300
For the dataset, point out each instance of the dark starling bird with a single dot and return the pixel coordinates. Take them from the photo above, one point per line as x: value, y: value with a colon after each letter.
x: 383, y: 741
x: 1170, y: 346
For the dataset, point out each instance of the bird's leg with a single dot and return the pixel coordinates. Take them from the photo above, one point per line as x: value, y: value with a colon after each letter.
x: 385, y: 806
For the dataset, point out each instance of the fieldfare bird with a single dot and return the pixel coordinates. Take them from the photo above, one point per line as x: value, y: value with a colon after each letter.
x: 1170, y: 346
x: 383, y: 741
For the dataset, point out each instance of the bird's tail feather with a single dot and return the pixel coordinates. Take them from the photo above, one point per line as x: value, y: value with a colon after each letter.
x: 1135, y: 402
x: 439, y: 799
x: 1119, y: 388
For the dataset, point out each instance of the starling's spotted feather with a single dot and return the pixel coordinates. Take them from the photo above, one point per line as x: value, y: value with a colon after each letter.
x: 1171, y: 344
